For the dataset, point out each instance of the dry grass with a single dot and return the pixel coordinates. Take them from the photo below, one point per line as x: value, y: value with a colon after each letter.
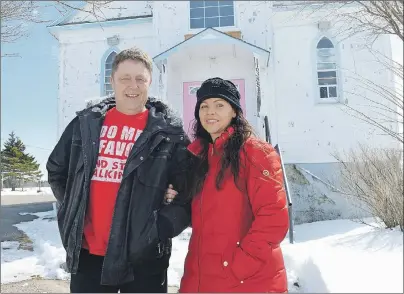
x: 374, y: 177
x: 25, y: 243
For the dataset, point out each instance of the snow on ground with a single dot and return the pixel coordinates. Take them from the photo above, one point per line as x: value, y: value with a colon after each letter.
x: 48, y: 255
x: 27, y: 191
x: 343, y: 256
x: 330, y: 256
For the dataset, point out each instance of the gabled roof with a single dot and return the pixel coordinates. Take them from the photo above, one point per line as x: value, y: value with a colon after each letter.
x: 210, y: 35
x: 101, y: 22
x: 110, y: 11
x: 64, y: 19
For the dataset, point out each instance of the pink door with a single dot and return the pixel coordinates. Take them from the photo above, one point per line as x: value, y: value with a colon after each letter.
x: 189, y: 92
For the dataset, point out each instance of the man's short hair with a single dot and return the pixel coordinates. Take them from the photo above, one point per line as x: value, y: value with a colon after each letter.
x: 135, y: 54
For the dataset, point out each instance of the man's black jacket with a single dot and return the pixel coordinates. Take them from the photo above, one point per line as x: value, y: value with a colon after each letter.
x: 159, y: 157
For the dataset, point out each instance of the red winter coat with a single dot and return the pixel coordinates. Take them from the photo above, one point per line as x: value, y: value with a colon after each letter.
x: 235, y: 239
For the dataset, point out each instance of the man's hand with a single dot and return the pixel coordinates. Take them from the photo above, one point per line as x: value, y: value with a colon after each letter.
x: 170, y: 194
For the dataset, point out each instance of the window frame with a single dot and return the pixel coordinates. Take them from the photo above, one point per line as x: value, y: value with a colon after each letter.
x: 233, y: 27
x: 103, y: 69
x: 108, y: 82
x: 316, y: 86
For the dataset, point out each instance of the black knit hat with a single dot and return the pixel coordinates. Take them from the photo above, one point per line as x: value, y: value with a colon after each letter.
x: 217, y: 88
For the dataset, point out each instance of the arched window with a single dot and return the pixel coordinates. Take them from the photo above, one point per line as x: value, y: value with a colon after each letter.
x: 108, y: 73
x: 327, y: 69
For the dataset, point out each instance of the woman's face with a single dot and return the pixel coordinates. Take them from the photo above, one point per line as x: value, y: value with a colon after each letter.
x: 215, y: 115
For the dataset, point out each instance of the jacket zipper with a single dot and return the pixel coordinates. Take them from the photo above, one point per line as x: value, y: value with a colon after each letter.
x: 199, y: 243
x: 113, y: 215
x: 200, y: 235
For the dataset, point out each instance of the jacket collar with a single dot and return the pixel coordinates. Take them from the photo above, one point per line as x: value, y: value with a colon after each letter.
x: 161, y: 116
x: 196, y: 147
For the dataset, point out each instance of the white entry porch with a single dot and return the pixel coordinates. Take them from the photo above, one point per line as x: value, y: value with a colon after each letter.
x: 212, y: 53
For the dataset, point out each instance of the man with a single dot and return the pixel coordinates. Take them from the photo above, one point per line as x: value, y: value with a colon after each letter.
x: 109, y: 172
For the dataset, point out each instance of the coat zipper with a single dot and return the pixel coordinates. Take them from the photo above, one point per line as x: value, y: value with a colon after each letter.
x: 113, y: 215
x: 199, y: 243
x: 200, y: 235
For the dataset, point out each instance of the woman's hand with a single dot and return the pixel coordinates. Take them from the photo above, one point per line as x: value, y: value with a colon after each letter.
x: 170, y: 194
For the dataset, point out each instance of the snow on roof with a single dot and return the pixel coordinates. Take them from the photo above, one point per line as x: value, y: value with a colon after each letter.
x: 110, y: 11
x: 298, y: 3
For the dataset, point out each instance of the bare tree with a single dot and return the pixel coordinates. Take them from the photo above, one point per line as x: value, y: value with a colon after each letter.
x: 385, y: 106
x: 374, y: 177
x: 373, y: 18
x: 369, y: 20
x: 16, y: 16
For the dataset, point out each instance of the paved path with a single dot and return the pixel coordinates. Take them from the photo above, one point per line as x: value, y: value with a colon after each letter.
x: 11, y: 206
x: 36, y: 286
x: 25, y: 199
x: 45, y: 286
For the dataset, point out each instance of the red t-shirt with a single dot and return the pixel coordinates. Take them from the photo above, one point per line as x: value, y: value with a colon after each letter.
x: 118, y: 134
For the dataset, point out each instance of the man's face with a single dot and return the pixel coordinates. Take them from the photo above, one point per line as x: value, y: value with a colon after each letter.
x: 131, y: 82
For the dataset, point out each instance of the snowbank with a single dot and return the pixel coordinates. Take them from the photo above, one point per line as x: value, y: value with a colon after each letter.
x: 329, y: 256
x: 342, y: 256
x: 44, y: 261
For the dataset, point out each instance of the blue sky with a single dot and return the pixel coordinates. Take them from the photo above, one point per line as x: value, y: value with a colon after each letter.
x: 29, y: 89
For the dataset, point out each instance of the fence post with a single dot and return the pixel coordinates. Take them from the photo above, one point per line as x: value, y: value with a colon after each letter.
x: 289, y: 198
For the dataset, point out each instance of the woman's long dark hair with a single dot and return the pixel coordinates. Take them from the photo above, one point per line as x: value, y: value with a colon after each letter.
x: 231, y: 156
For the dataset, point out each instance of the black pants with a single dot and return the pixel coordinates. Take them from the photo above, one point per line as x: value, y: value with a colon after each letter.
x: 88, y: 279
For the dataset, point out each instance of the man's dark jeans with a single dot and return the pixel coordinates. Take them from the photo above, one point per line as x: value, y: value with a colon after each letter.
x: 88, y: 277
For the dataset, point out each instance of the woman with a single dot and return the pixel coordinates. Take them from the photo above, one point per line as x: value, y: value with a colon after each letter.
x: 239, y: 208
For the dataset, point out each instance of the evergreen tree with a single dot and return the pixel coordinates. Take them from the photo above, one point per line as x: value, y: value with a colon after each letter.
x: 17, y: 166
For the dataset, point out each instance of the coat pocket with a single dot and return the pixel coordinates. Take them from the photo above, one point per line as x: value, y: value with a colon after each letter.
x: 211, y: 264
x: 153, y: 173
x: 227, y: 263
x: 217, y: 270
x: 145, y: 246
x: 242, y: 266
x: 80, y: 164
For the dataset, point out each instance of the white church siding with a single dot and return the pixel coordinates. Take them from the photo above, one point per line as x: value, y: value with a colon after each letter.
x: 83, y: 56
x: 307, y: 129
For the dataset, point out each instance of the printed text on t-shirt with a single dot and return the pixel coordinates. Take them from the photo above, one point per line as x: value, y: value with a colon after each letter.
x: 115, y: 146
